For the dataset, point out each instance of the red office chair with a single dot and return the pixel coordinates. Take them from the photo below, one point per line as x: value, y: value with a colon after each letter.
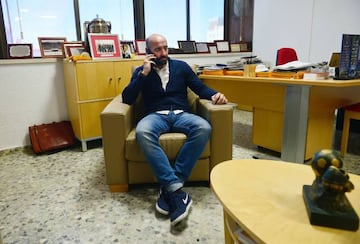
x: 285, y: 55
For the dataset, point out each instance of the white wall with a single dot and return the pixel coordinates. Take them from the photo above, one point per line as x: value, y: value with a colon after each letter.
x: 328, y: 26
x: 31, y: 93
x: 313, y: 27
x: 34, y: 93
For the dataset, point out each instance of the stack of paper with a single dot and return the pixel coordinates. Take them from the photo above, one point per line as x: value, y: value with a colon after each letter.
x: 294, y: 65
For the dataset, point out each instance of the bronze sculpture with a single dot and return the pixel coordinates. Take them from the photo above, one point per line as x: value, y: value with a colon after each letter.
x: 325, y: 199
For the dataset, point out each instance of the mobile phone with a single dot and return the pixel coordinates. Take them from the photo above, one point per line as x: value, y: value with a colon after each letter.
x: 156, y: 60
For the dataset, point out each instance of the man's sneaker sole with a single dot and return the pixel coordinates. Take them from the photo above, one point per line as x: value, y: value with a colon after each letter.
x: 160, y: 210
x: 182, y: 216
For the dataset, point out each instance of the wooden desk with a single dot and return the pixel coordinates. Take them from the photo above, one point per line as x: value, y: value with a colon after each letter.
x: 264, y: 198
x: 291, y: 116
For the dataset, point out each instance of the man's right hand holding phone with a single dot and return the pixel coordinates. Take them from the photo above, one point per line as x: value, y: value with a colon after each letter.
x: 148, y: 62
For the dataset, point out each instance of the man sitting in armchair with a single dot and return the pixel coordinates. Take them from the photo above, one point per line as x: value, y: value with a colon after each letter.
x: 163, y: 83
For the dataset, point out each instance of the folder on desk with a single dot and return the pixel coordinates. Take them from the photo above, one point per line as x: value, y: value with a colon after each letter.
x: 334, y: 60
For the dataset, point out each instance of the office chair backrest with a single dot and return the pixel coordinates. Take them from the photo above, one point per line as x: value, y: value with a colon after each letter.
x: 285, y: 55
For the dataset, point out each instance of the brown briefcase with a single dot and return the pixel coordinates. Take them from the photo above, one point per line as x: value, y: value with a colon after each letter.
x: 51, y: 137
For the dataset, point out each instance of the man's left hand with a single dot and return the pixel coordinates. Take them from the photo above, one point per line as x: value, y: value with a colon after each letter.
x: 219, y: 98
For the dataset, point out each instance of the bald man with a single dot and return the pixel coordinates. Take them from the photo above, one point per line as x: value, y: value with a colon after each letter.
x: 163, y: 83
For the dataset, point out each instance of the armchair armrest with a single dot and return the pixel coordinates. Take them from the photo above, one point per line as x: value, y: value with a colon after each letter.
x: 221, y: 119
x: 116, y: 123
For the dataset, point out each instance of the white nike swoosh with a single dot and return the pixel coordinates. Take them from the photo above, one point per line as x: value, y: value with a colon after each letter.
x: 186, y: 199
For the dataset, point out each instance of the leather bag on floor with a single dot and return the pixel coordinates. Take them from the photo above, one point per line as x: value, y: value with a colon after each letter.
x: 51, y: 137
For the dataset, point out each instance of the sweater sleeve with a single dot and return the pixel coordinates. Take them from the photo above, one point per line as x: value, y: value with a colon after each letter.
x: 197, y: 86
x: 131, y: 92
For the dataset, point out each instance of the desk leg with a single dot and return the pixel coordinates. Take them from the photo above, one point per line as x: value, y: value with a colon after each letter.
x: 295, y: 123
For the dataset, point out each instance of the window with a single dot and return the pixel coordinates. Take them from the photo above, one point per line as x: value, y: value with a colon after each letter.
x: 167, y: 18
x: 196, y: 20
x: 118, y: 12
x: 206, y: 20
x: 25, y: 21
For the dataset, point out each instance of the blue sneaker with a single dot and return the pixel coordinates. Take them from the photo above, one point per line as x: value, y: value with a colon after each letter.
x: 162, y: 203
x: 180, y: 203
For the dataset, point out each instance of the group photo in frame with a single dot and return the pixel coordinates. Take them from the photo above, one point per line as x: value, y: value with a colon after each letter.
x: 73, y: 48
x: 104, y: 45
x: 20, y: 50
x: 187, y: 46
x: 52, y: 47
x: 127, y: 49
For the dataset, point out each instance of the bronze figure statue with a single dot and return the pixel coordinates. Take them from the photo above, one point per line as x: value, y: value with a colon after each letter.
x: 325, y: 199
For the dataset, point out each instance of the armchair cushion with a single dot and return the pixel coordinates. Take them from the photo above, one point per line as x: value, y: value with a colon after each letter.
x: 171, y: 143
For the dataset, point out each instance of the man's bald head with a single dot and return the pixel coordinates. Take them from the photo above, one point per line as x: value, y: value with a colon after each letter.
x: 155, y: 38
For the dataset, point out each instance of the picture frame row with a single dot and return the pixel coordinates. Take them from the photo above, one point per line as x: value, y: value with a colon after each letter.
x: 218, y: 46
x: 109, y: 46
x: 50, y: 47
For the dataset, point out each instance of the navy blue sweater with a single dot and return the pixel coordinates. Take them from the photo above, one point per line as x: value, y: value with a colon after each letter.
x: 174, y: 97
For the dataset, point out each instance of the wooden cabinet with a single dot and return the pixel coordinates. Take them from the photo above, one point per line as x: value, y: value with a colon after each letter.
x: 90, y: 86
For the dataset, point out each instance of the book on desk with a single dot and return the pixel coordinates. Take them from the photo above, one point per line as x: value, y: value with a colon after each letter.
x: 349, y: 64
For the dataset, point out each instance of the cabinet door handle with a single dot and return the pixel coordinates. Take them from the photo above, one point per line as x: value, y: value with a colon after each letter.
x: 110, y: 79
x: 119, y: 78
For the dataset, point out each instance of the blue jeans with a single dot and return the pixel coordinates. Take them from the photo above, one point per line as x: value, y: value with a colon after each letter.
x: 148, y: 132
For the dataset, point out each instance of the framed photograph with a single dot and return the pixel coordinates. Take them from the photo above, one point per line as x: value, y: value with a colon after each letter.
x: 20, y: 50
x: 187, y: 46
x: 222, y: 46
x: 243, y: 47
x: 127, y: 48
x: 75, y: 51
x: 140, y: 47
x: 235, y: 47
x: 104, y: 45
x: 69, y: 45
x: 212, y: 47
x: 52, y: 47
x: 202, y: 47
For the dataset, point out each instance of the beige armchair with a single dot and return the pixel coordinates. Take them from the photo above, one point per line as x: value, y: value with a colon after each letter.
x: 124, y: 161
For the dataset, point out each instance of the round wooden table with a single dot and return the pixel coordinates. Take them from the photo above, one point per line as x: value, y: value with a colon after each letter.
x: 263, y: 202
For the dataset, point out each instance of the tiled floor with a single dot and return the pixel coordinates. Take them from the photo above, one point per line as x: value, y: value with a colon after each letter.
x: 63, y: 198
